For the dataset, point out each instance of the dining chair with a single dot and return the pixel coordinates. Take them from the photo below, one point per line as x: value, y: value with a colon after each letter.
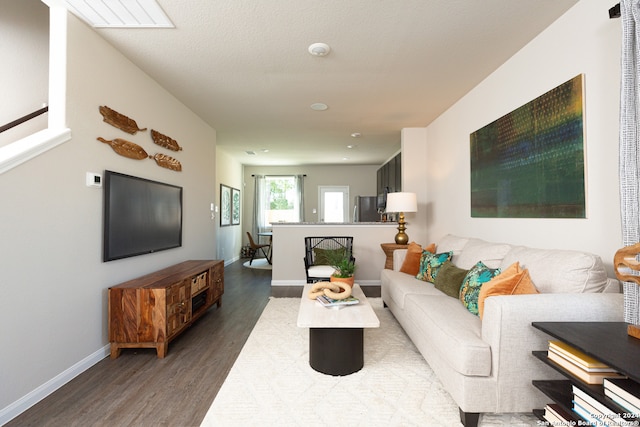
x: 255, y: 247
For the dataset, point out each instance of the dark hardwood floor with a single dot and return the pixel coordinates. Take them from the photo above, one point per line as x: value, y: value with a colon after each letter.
x: 138, y: 389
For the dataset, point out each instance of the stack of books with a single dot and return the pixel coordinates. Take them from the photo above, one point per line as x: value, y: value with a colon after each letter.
x: 330, y: 302
x: 595, y: 412
x: 556, y: 416
x: 584, y: 367
x: 624, y: 392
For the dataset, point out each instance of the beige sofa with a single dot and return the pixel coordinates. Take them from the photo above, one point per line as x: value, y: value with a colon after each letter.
x: 486, y: 364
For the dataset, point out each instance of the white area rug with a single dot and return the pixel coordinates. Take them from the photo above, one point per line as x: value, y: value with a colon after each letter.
x: 272, y: 384
x: 259, y: 264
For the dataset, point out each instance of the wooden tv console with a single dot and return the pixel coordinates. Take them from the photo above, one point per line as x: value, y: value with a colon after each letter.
x: 150, y: 311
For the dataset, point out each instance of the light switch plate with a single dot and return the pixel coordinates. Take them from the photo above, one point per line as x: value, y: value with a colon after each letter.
x: 94, y: 180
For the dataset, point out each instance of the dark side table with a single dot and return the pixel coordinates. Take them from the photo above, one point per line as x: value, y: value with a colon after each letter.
x: 607, y: 342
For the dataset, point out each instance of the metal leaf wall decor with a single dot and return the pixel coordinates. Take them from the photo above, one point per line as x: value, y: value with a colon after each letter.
x: 126, y: 148
x: 165, y: 141
x: 120, y: 121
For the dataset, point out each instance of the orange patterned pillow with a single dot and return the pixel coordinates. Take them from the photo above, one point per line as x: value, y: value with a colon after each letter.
x: 512, y: 281
x: 411, y: 263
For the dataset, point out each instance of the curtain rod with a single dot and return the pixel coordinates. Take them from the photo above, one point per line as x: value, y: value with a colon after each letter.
x: 253, y: 176
x: 614, y: 12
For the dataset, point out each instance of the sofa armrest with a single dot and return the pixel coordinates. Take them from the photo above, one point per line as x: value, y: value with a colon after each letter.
x: 398, y: 258
x: 506, y: 327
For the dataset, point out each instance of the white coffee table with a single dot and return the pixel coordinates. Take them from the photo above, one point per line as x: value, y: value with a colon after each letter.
x: 336, y: 335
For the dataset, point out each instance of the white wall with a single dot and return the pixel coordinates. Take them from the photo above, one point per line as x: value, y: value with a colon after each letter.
x: 414, y: 151
x: 53, y: 318
x: 584, y: 40
x: 229, y: 239
x: 24, y: 28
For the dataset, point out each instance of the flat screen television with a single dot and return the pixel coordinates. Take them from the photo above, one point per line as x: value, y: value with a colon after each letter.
x: 140, y: 216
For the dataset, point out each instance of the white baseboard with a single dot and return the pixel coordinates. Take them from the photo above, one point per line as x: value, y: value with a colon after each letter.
x: 231, y: 261
x: 301, y: 283
x: 19, y: 406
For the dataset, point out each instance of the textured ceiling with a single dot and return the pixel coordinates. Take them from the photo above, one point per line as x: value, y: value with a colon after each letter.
x: 243, y: 67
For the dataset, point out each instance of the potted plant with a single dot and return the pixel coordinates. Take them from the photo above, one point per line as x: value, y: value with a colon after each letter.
x: 343, y: 265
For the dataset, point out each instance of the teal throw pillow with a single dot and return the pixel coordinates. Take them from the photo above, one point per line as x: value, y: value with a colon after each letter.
x: 430, y: 265
x: 473, y: 281
x: 450, y: 279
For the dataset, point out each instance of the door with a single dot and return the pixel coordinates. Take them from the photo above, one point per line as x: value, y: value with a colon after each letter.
x: 334, y: 203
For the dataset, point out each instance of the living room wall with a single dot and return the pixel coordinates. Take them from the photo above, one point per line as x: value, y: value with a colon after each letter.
x: 53, y: 318
x: 229, y: 238
x: 584, y: 40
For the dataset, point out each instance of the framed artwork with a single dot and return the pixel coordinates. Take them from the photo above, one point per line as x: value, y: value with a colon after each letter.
x: 235, y: 206
x: 225, y: 205
x: 530, y: 162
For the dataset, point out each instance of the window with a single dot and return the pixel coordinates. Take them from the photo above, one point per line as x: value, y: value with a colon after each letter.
x: 278, y: 199
x: 283, y: 203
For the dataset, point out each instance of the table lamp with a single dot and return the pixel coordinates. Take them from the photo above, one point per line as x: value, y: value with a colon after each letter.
x: 401, y: 203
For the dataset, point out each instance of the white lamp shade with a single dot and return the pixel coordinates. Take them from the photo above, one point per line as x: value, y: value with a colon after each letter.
x: 402, y: 202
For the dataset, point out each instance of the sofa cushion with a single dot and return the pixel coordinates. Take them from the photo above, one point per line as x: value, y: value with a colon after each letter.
x: 454, y: 332
x: 449, y: 279
x: 451, y: 243
x: 320, y: 271
x: 398, y: 258
x: 512, y: 281
x: 477, y: 276
x: 491, y: 254
x: 324, y: 256
x: 560, y: 271
x: 411, y: 264
x: 400, y: 285
x: 430, y: 264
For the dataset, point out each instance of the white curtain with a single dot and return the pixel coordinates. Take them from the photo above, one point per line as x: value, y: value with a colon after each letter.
x: 629, y: 144
x: 300, y: 192
x: 260, y: 205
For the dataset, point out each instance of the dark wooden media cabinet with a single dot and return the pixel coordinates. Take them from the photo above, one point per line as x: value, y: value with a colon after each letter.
x: 150, y: 311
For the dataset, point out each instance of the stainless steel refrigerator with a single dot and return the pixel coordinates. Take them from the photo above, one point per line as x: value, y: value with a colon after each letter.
x: 365, y: 209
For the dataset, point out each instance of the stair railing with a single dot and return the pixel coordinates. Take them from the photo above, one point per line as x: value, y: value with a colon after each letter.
x: 24, y: 119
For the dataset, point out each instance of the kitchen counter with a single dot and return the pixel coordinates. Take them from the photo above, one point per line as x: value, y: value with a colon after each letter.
x: 286, y: 224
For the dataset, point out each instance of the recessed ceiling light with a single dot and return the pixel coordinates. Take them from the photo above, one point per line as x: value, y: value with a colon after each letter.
x: 356, y: 135
x: 319, y: 49
x: 251, y: 153
x: 351, y: 146
x: 265, y: 150
x: 345, y: 158
x: 120, y: 14
x: 319, y: 106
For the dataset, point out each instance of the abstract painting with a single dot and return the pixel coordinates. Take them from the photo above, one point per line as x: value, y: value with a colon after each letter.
x: 530, y: 162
